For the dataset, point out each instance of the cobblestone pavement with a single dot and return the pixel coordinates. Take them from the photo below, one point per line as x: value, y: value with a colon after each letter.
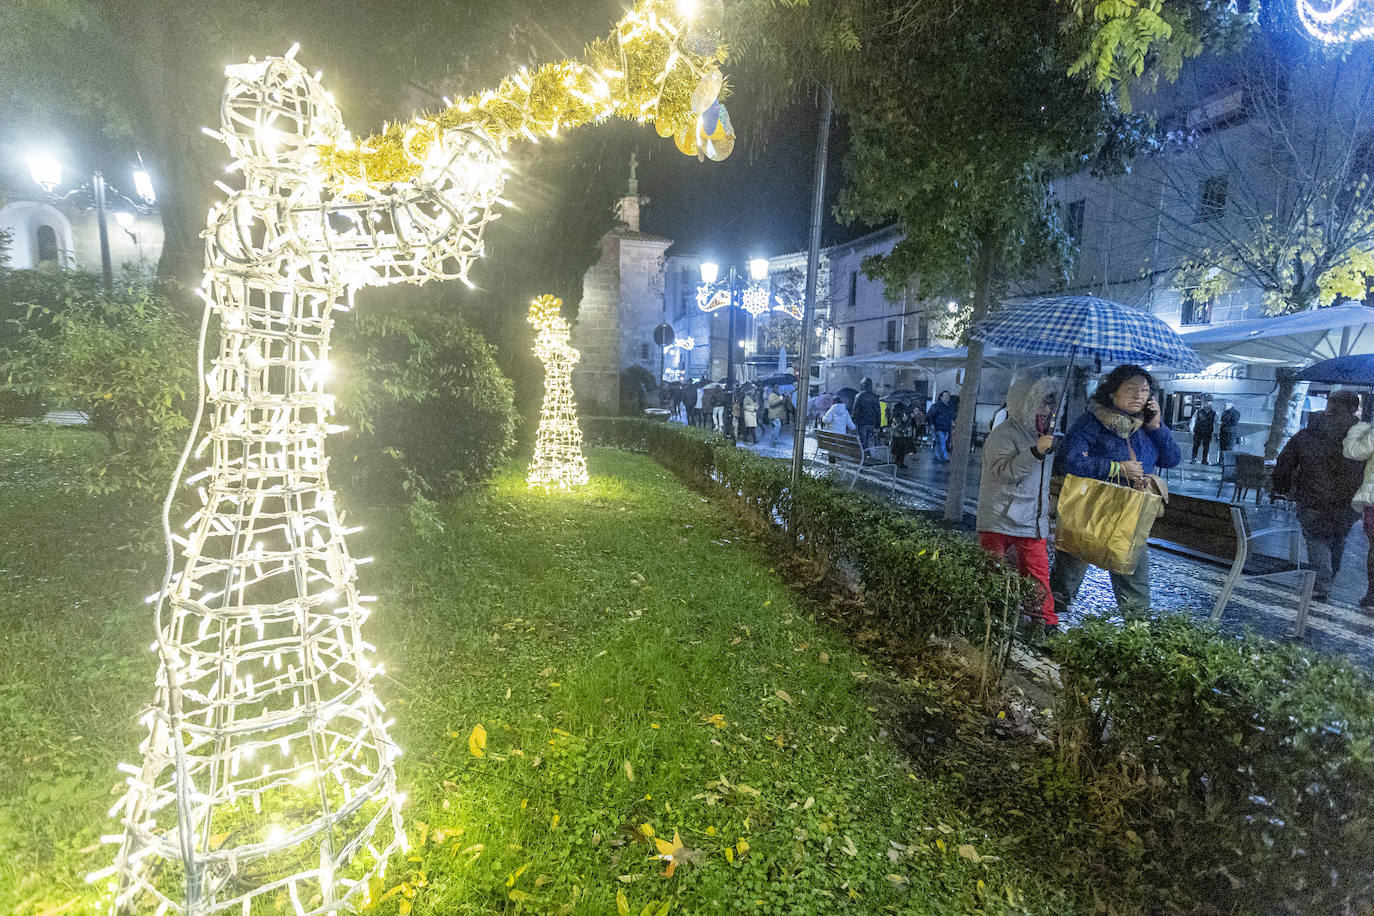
x: 1178, y: 584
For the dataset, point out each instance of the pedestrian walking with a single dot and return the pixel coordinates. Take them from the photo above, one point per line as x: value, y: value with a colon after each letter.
x: 819, y: 406
x: 718, y: 405
x: 1314, y: 471
x: 750, y: 406
x: 699, y: 411
x: 868, y: 415
x: 941, y: 419
x: 838, y: 420
x: 777, y: 409
x: 1202, y: 426
x: 1359, y: 445
x: 1230, y: 418
x: 903, y: 434
x: 1014, y: 496
x: 1120, y: 438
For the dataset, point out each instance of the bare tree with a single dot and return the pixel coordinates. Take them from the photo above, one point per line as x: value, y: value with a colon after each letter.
x: 1263, y: 185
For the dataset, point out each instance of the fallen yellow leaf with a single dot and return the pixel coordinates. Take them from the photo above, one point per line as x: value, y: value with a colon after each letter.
x: 477, y: 741
x: 968, y: 852
x: 622, y: 906
x: 782, y: 695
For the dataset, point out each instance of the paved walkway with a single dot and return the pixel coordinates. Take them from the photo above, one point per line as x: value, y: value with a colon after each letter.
x: 1179, y: 584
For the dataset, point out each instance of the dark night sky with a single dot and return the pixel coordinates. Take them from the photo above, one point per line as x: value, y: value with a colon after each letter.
x: 746, y: 206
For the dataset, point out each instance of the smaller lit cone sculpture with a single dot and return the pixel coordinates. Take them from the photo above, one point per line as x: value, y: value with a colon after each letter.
x: 558, y: 459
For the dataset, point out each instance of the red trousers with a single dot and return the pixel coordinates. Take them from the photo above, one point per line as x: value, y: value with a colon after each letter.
x: 1032, y: 561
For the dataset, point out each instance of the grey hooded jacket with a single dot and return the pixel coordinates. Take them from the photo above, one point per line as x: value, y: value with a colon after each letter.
x: 1014, y: 495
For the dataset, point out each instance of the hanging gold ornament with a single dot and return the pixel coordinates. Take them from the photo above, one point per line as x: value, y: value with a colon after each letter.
x: 686, y: 141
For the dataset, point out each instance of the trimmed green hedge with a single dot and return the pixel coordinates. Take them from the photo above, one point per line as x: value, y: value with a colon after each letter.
x: 920, y: 579
x: 1259, y: 754
x: 1246, y: 766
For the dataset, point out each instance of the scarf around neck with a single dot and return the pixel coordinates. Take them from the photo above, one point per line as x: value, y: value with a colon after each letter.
x: 1122, y: 424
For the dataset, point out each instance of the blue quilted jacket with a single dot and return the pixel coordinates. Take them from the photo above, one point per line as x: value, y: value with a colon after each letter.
x: 1090, y: 448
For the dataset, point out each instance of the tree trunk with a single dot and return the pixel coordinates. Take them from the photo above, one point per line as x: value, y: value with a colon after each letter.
x: 1287, y: 411
x: 968, y: 395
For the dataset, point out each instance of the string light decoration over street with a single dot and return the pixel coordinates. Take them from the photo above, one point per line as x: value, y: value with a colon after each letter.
x: 1338, y: 21
x: 268, y: 771
x: 558, y: 460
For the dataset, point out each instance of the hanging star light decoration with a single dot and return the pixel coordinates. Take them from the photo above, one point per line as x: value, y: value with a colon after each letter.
x: 268, y: 774
x: 558, y: 460
x: 1338, y: 21
x: 754, y: 299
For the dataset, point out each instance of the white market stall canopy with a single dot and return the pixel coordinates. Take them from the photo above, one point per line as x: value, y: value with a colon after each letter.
x: 937, y: 359
x: 1289, y: 340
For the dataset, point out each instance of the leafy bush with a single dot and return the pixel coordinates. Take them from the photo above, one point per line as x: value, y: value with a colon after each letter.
x: 921, y: 580
x: 427, y: 407
x: 125, y: 358
x: 1257, y: 755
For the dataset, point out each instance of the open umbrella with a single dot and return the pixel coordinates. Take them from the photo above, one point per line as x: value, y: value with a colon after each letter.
x: 905, y: 395
x: 1075, y: 326
x: 847, y: 394
x: 1343, y: 370
x: 780, y: 378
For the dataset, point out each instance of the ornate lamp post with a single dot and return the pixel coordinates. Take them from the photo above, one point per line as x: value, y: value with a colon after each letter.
x: 46, y: 172
x: 731, y: 292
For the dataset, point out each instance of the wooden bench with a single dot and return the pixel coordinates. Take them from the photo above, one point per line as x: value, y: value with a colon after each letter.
x: 1222, y: 533
x: 847, y: 451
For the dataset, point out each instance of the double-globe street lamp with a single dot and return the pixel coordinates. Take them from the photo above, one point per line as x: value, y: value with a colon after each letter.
x: 46, y: 172
x: 732, y: 292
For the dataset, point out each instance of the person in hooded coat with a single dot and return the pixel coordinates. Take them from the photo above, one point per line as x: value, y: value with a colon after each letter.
x: 1014, y: 496
x: 1313, y: 470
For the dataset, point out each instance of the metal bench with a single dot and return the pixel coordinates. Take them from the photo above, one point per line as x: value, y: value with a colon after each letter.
x: 846, y: 451
x: 1222, y: 532
x: 1245, y: 536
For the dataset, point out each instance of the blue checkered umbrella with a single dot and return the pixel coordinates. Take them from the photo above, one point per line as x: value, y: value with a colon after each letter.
x: 1077, y: 326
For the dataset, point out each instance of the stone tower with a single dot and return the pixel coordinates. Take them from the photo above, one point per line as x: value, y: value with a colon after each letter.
x: 622, y: 303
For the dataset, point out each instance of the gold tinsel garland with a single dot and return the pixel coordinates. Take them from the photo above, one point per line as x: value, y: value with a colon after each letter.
x: 656, y: 67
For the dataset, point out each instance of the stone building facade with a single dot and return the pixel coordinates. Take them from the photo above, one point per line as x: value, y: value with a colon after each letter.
x: 622, y: 303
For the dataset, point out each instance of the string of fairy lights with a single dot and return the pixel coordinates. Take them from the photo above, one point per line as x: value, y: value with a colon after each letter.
x: 267, y: 778
x: 558, y: 461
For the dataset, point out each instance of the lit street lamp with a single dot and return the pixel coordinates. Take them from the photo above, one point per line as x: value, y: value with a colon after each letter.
x: 46, y: 172
x: 754, y: 297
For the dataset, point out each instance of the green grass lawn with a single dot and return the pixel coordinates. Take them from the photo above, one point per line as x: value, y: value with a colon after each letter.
x: 640, y: 670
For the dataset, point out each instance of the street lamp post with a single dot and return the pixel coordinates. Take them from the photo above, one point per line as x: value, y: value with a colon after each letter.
x: 714, y: 294
x: 46, y: 172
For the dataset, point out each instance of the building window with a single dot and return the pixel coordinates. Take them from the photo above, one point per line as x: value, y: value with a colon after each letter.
x: 1211, y: 198
x: 1196, y: 310
x: 47, y: 244
x: 1073, y: 221
x: 849, y: 340
x: 922, y: 333
x: 891, y: 342
x: 853, y: 288
x: 644, y: 351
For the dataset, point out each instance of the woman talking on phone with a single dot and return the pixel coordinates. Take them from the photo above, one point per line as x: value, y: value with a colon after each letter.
x: 1119, y: 439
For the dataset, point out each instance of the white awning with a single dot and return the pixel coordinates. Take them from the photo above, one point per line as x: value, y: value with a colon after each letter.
x: 1289, y: 340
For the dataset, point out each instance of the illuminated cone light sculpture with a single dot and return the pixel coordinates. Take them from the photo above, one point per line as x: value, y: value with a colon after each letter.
x: 558, y: 459
x: 267, y: 777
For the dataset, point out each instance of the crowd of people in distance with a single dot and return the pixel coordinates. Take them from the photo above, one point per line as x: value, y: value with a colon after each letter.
x: 755, y: 408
